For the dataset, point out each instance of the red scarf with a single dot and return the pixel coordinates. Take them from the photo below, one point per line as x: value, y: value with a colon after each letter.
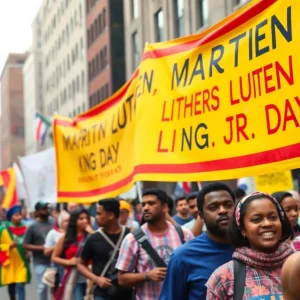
x: 263, y: 260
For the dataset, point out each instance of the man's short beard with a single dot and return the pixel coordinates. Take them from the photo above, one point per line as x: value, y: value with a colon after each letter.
x: 215, y: 230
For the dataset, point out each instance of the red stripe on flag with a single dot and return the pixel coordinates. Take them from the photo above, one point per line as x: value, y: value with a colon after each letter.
x: 186, y: 187
x: 6, y: 182
x: 38, y: 131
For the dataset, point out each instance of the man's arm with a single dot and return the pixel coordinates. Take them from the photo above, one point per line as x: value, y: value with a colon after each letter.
x: 127, y: 279
x: 175, y: 285
x: 82, y: 267
x: 29, y: 247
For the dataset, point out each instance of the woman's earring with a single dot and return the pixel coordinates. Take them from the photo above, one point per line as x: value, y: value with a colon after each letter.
x: 244, y: 237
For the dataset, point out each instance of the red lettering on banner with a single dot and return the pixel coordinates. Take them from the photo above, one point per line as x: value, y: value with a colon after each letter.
x: 159, y: 147
x: 261, y: 81
x: 191, y: 105
x: 276, y: 120
x: 239, y: 122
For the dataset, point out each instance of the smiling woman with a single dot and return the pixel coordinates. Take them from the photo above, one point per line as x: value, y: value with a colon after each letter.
x: 259, y: 230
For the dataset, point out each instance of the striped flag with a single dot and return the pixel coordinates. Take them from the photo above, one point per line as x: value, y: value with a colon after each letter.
x: 8, y: 188
x: 182, y: 188
x: 185, y: 188
x: 42, y: 125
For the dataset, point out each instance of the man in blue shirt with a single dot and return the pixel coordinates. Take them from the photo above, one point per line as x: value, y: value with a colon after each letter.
x: 183, y: 215
x: 193, y: 263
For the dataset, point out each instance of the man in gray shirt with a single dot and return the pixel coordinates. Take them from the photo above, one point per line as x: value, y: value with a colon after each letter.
x: 34, y: 241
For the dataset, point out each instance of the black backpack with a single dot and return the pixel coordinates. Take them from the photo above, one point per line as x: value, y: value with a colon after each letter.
x: 143, y: 241
x: 239, y: 269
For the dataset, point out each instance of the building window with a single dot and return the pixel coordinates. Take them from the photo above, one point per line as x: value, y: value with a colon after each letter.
x: 101, y: 60
x: 100, y: 24
x: 78, y: 83
x: 159, y: 25
x: 88, y: 38
x: 74, y: 87
x: 203, y: 13
x: 82, y: 80
x: 87, y: 4
x: 76, y: 52
x: 97, y: 64
x: 239, y: 2
x: 96, y: 28
x: 80, y: 12
x: 106, y: 91
x: 105, y: 56
x: 83, y: 107
x: 134, y: 9
x: 179, y: 21
x: 135, y: 50
x: 92, y: 34
x: 98, y: 96
x: 104, y: 18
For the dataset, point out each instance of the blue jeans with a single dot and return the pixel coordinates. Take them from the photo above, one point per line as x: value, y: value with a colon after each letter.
x: 42, y: 288
x: 20, y: 291
x: 79, y: 291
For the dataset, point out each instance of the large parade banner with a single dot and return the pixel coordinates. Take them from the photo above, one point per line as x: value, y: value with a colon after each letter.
x: 219, y: 105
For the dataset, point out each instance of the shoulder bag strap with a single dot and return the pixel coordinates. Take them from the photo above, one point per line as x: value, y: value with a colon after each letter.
x: 143, y: 241
x: 180, y: 233
x: 116, y: 248
x: 239, y: 279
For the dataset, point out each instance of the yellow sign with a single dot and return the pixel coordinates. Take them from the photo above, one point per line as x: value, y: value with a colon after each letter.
x: 218, y: 105
x: 275, y: 182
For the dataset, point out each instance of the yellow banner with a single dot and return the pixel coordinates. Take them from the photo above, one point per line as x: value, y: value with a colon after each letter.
x: 275, y: 182
x: 218, y: 105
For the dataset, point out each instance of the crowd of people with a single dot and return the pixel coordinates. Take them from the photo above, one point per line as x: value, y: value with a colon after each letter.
x: 219, y: 245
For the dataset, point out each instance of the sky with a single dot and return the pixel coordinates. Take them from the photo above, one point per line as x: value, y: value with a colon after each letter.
x: 16, y: 17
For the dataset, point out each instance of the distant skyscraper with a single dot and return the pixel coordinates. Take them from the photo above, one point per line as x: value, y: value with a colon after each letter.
x: 12, y: 110
x: 105, y: 42
x: 63, y: 30
x: 33, y: 87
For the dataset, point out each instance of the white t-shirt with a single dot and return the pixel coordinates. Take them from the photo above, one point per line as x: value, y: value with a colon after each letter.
x: 52, y: 238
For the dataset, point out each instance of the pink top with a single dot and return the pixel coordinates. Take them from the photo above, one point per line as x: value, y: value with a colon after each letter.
x: 258, y: 283
x: 132, y: 258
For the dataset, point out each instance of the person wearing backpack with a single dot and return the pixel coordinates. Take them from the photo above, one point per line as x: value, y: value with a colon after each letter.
x: 145, y: 253
x: 102, y: 250
x: 259, y: 230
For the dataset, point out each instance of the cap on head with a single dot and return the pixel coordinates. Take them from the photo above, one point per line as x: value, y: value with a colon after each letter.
x: 125, y: 205
x: 41, y: 205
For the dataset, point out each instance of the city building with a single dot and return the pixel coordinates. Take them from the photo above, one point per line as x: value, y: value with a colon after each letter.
x: 63, y: 30
x: 12, y: 142
x: 162, y: 20
x: 105, y: 43
x: 33, y: 88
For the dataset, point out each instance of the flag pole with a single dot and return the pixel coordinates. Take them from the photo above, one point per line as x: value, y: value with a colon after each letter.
x: 139, y: 190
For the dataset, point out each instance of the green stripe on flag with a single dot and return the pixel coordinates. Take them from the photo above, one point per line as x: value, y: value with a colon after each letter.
x: 47, y: 122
